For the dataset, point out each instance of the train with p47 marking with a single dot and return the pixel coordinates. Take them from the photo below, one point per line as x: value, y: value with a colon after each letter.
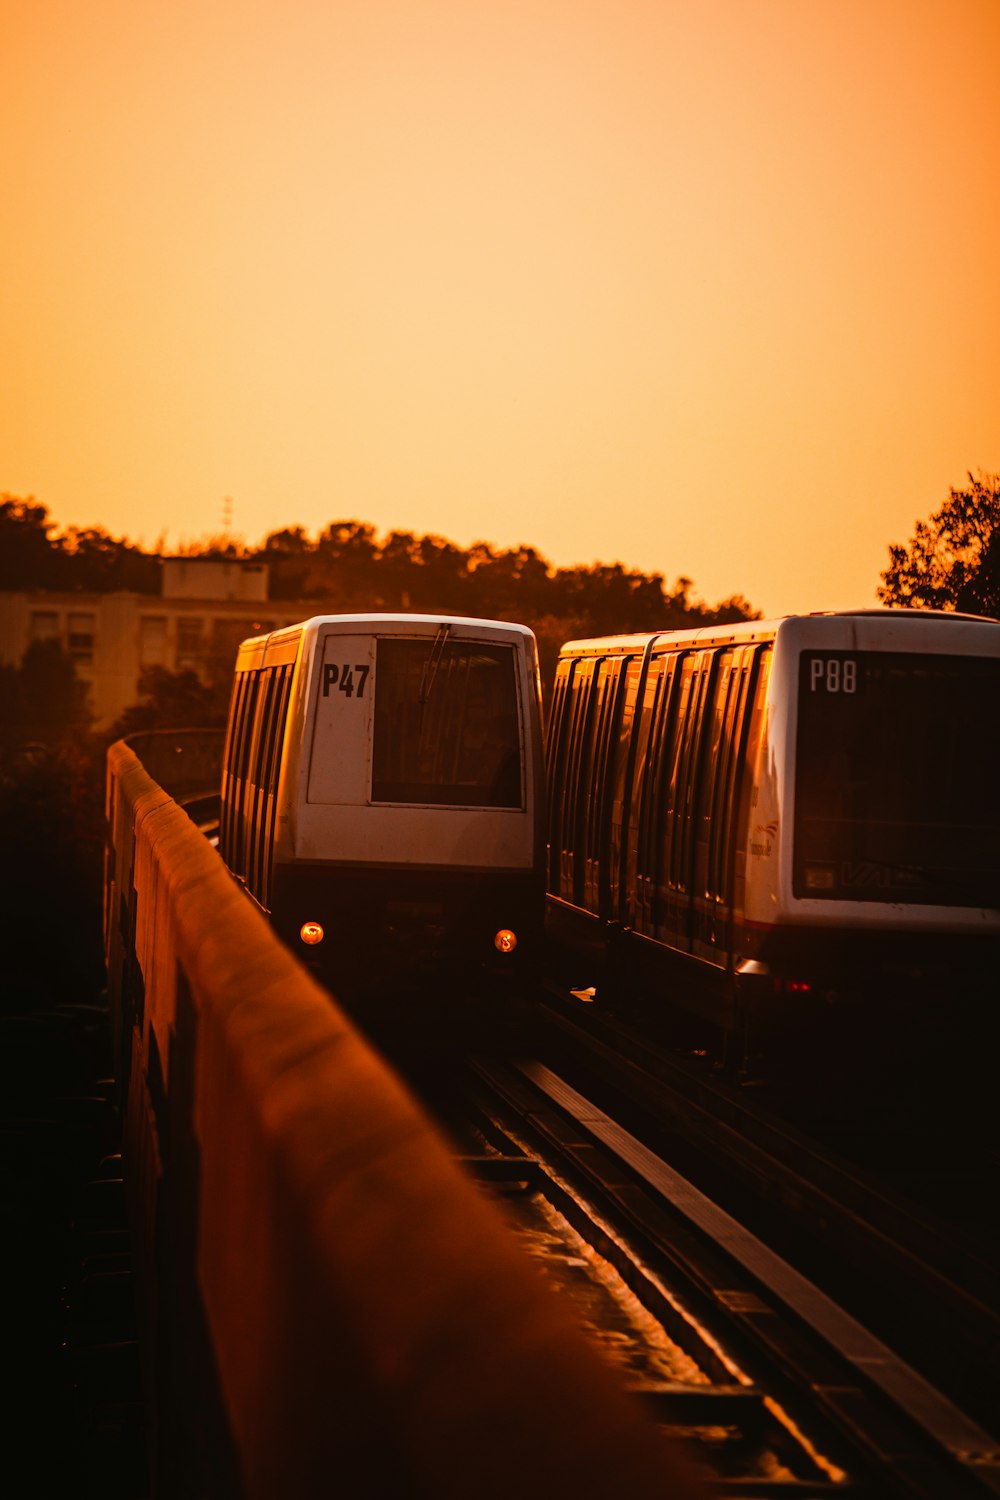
x: 382, y: 798
x: 771, y: 818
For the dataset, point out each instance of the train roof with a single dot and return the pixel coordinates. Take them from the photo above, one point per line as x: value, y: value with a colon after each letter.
x: 759, y: 630
x: 400, y: 617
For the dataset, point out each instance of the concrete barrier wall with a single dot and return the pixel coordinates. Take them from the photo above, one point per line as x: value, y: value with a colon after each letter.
x: 328, y: 1305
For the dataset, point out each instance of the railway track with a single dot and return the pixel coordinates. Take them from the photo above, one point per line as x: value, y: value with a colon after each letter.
x: 873, y: 1246
x: 778, y: 1388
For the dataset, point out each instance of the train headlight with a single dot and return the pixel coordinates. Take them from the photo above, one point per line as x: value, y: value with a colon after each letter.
x: 505, y: 940
x: 311, y: 933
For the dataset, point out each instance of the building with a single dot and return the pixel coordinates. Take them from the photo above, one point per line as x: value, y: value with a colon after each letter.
x: 204, y: 609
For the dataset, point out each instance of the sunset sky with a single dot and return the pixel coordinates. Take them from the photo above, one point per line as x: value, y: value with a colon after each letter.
x: 710, y: 287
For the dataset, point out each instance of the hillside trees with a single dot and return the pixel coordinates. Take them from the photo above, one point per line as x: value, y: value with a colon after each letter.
x: 952, y: 561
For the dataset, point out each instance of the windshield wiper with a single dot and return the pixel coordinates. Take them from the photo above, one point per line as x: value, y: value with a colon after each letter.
x: 432, y: 663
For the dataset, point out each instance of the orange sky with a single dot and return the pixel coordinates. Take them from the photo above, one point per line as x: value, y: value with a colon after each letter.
x: 706, y: 286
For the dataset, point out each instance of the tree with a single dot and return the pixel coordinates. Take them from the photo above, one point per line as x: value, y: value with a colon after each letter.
x: 99, y: 563
x: 42, y: 701
x: 953, y: 560
x: 175, y: 700
x: 29, y: 558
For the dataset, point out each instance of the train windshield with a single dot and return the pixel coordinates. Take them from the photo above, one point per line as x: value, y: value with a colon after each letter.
x: 897, y: 789
x: 446, y: 724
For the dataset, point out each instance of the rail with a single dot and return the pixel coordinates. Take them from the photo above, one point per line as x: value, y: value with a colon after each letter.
x: 327, y: 1303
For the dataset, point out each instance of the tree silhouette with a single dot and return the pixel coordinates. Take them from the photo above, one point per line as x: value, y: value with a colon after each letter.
x: 175, y: 700
x: 951, y: 561
x: 83, y: 558
x: 28, y: 557
x: 42, y: 701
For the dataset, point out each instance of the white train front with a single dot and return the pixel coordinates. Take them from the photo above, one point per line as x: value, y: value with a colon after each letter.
x: 792, y: 810
x: 381, y: 796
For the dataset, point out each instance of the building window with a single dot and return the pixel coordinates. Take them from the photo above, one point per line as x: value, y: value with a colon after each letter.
x: 44, y: 625
x: 80, y: 637
x: 153, y: 640
x: 190, y: 643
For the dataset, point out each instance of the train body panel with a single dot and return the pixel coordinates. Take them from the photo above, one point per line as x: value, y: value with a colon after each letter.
x: 784, y: 799
x: 383, y: 786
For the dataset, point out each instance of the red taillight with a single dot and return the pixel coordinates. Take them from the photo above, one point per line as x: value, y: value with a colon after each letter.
x: 792, y: 986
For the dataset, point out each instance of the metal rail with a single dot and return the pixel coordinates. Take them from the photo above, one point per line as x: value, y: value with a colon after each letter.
x: 888, y: 1427
x: 887, y: 1242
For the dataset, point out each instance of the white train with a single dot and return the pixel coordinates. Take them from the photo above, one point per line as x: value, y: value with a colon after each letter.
x: 768, y: 816
x: 382, y: 797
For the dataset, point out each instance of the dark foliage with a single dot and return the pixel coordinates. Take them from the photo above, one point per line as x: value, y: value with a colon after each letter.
x: 83, y: 559
x: 347, y: 568
x: 952, y: 561
x: 42, y: 701
x: 174, y: 700
x: 52, y: 814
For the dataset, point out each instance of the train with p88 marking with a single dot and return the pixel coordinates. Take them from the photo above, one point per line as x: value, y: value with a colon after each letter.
x: 767, y: 818
x: 382, y: 798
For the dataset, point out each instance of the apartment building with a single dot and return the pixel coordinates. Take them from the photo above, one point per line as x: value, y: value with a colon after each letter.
x: 204, y: 609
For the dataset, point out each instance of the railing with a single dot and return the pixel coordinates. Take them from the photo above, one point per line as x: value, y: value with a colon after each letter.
x: 184, y: 762
x: 328, y: 1306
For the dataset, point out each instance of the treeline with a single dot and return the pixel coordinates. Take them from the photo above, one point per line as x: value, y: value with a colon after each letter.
x: 84, y: 559
x: 348, y: 567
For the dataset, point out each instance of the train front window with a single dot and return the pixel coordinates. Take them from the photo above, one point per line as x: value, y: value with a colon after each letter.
x: 446, y: 727
x: 897, y: 793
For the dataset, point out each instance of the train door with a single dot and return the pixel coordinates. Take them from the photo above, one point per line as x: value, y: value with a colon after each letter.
x: 273, y: 711
x: 595, y: 830
x: 574, y: 779
x: 655, y: 737
x: 237, y: 779
x: 620, y: 773
x: 556, y: 745
x: 744, y: 796
x: 682, y: 766
x: 254, y: 840
x: 725, y: 724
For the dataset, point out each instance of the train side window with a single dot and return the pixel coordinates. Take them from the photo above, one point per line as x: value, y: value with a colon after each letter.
x: 280, y: 720
x: 237, y: 726
x: 646, y: 780
x: 575, y: 777
x: 621, y: 772
x: 685, y: 768
x: 598, y: 802
x: 746, y: 769
x: 696, y: 758
x: 668, y: 800
x: 258, y: 777
x: 249, y: 710
x: 711, y: 791
x: 737, y: 727
x: 555, y: 739
x: 556, y: 747
x: 242, y: 793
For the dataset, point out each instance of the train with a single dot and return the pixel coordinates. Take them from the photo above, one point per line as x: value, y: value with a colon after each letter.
x: 382, y: 799
x: 766, y: 820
